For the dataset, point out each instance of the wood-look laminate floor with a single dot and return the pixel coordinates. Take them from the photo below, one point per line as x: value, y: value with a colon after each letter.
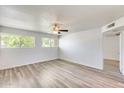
x: 112, y: 66
x: 58, y: 74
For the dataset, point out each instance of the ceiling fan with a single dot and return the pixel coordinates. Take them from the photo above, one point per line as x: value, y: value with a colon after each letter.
x: 57, y: 29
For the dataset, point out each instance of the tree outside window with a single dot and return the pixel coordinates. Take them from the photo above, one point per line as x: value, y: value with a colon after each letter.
x: 16, y: 41
x: 48, y: 42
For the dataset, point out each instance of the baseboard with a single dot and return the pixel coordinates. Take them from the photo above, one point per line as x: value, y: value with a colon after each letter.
x: 5, y: 68
x: 111, y: 60
x: 71, y: 61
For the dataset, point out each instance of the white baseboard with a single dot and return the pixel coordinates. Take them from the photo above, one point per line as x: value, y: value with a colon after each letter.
x: 9, y: 67
x: 101, y: 68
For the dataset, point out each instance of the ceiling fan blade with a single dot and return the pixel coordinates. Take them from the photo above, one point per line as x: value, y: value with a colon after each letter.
x: 63, y: 30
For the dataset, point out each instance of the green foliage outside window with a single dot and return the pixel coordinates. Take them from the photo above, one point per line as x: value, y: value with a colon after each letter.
x: 27, y: 41
x: 16, y: 41
x: 48, y: 42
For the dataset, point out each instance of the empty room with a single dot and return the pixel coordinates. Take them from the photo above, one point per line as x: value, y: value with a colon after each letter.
x: 61, y: 46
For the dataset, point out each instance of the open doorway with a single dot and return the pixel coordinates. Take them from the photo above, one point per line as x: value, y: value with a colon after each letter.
x: 111, y: 53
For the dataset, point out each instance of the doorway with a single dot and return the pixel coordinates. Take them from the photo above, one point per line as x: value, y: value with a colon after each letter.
x: 111, y: 53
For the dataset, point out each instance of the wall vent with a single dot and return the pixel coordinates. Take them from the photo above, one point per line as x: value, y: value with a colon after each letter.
x: 111, y: 25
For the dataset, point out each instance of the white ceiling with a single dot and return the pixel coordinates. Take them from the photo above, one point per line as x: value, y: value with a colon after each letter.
x: 75, y: 18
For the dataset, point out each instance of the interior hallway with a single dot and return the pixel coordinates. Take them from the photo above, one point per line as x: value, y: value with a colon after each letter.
x: 112, y: 67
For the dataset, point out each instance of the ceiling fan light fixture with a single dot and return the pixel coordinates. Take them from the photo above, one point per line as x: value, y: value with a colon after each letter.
x: 55, y: 32
x: 56, y: 29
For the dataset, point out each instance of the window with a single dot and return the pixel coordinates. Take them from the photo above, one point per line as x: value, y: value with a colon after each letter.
x: 16, y: 41
x: 27, y: 42
x: 48, y: 42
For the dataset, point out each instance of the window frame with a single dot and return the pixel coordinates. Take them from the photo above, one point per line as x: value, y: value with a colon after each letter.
x: 50, y: 38
x: 19, y: 36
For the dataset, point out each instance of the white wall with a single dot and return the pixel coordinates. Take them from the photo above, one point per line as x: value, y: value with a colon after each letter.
x: 111, y: 47
x: 17, y: 57
x: 83, y: 47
